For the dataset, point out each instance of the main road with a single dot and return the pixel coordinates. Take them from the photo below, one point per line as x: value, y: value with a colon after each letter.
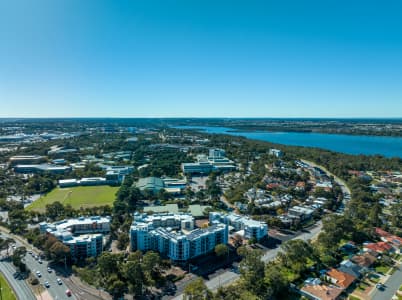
x: 57, y: 291
x: 20, y: 286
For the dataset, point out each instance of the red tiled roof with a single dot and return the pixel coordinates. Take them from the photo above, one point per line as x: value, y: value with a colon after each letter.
x: 382, y: 232
x: 323, y: 292
x: 393, y: 239
x: 343, y: 280
x: 379, y: 247
x: 272, y: 185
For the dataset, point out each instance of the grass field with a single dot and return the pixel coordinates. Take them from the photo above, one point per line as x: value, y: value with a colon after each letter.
x: 77, y: 197
x: 7, y: 292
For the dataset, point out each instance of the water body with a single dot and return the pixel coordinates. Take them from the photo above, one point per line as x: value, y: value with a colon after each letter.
x: 350, y: 144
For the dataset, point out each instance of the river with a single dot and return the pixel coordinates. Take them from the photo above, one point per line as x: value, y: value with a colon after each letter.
x: 350, y: 144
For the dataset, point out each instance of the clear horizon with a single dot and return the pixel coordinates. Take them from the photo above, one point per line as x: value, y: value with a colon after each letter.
x: 209, y: 59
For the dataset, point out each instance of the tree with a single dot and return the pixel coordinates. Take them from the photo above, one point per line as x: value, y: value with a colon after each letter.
x: 221, y: 250
x: 5, y: 244
x: 17, y: 220
x: 135, y: 196
x: 132, y: 272
x: 115, y: 286
x: 49, y: 241
x: 196, y: 290
x: 17, y: 256
x: 107, y: 263
x: 54, y: 210
x: 251, y: 267
x: 59, y: 251
x: 275, y: 280
x: 335, y: 228
x: 295, y: 255
x: 234, y: 292
x: 123, y: 240
x: 252, y: 241
x: 396, y: 213
x: 151, y: 266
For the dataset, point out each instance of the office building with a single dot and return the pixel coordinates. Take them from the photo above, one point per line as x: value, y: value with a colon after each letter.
x: 216, y: 161
x: 41, y: 168
x: 275, y: 152
x: 155, y: 184
x: 25, y: 159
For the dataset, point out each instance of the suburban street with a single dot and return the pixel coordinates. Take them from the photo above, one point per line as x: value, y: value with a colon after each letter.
x: 345, y: 189
x: 391, y: 286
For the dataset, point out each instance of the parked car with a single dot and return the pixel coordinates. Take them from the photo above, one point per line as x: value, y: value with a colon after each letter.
x: 38, y: 274
x: 59, y: 281
x: 49, y: 270
x: 47, y: 285
x: 68, y: 293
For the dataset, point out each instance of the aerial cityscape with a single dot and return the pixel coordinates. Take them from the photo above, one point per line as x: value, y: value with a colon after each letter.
x: 183, y: 150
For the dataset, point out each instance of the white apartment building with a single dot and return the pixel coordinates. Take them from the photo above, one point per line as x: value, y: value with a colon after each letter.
x: 84, y: 236
x: 174, y: 235
x: 252, y: 228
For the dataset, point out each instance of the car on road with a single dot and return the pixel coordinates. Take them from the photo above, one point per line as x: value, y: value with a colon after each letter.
x: 68, y: 293
x: 59, y: 282
x: 380, y: 286
x: 38, y: 274
x: 49, y: 270
x: 46, y: 284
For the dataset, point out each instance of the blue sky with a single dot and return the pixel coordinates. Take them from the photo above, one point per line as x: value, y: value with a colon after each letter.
x: 97, y: 58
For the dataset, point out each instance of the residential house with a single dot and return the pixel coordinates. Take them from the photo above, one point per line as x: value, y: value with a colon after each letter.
x: 394, y: 240
x: 321, y: 292
x: 339, y: 278
x: 380, y: 247
x: 349, y: 267
x: 364, y: 260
